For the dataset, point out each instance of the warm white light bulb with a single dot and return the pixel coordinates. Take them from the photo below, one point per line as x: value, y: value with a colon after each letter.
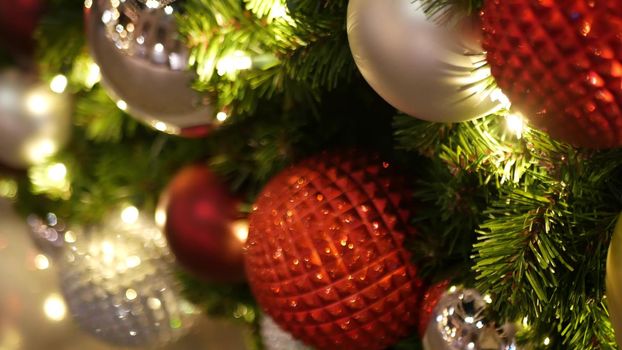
x: 129, y: 215
x: 59, y: 84
x: 54, y: 308
x: 516, y: 124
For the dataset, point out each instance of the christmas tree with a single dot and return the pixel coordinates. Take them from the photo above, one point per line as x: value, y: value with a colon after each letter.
x: 437, y: 174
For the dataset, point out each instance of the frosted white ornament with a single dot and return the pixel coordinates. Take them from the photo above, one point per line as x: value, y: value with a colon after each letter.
x: 426, y: 69
x: 34, y: 121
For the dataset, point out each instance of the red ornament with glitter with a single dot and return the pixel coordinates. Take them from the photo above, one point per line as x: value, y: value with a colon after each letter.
x: 429, y: 302
x: 326, y: 257
x: 203, y: 225
x: 560, y: 63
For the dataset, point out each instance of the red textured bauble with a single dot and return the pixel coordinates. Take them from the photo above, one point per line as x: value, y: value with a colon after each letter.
x: 429, y: 302
x: 560, y: 63
x: 326, y: 257
x: 18, y: 21
x: 203, y: 225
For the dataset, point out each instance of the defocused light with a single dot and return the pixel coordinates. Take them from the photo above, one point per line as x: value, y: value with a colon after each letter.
x: 59, y: 84
x: 160, y: 126
x: 487, y: 299
x: 158, y: 47
x: 152, y: 4
x: 57, y: 172
x: 160, y: 217
x: 278, y: 10
x: 515, y: 123
x: 547, y: 341
x: 40, y: 150
x: 133, y: 261
x: 93, y: 76
x: 122, y: 105
x: 37, y: 103
x: 168, y: 10
x: 233, y: 63
x: 221, y: 116
x: 240, y: 230
x: 525, y: 321
x: 51, y: 179
x: 70, y: 237
x: 88, y: 3
x: 154, y: 303
x: 131, y: 294
x: 129, y: 215
x: 54, y: 307
x: 498, y: 96
x: 42, y: 262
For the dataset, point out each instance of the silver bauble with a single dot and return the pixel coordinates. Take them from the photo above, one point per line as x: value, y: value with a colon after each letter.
x: 428, y: 70
x: 145, y: 65
x: 275, y: 338
x: 34, y: 121
x: 117, y: 279
x: 459, y: 323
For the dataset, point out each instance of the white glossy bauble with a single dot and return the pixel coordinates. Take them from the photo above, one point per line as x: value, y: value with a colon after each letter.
x: 34, y: 121
x: 429, y: 70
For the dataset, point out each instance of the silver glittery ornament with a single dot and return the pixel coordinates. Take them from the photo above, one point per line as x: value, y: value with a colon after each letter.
x: 34, y: 121
x: 117, y: 279
x: 274, y: 338
x: 459, y: 323
x: 144, y: 66
x: 429, y: 70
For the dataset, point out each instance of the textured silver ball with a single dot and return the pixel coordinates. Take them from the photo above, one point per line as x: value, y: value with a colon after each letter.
x: 144, y: 64
x: 428, y: 70
x: 34, y: 121
x: 459, y: 322
x: 275, y: 338
x: 117, y: 279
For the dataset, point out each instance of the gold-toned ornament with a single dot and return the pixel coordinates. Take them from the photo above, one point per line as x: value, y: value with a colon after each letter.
x: 614, y: 280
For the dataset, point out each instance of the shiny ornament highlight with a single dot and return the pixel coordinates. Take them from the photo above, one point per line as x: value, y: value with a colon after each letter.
x: 614, y: 281
x: 34, y: 121
x: 275, y: 338
x: 118, y: 282
x: 144, y: 66
x: 459, y: 322
x: 428, y: 70
x: 203, y: 225
x: 326, y: 257
x: 560, y: 63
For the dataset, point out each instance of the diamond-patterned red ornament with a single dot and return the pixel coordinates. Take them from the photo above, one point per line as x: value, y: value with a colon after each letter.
x: 326, y: 257
x: 430, y: 300
x: 560, y: 63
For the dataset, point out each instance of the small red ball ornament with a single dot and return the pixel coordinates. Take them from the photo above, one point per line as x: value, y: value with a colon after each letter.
x: 560, y: 63
x: 18, y: 21
x: 326, y: 257
x: 429, y: 302
x: 203, y: 225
